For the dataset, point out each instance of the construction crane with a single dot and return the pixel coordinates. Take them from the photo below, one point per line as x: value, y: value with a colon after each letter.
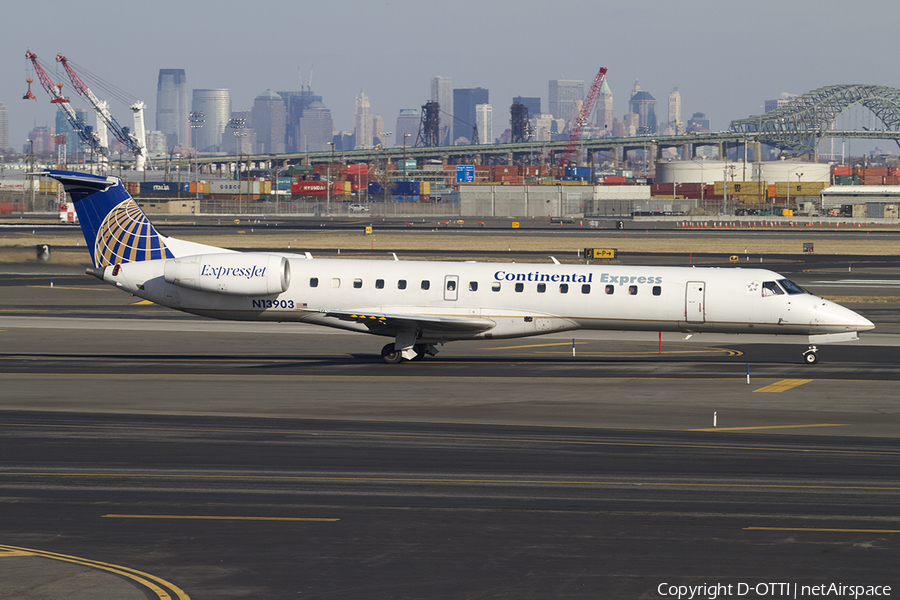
x: 55, y: 90
x: 134, y: 141
x: 586, y: 108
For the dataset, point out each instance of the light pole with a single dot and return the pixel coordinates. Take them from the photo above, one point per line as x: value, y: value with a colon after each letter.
x: 405, y: 135
x: 197, y: 119
x: 274, y: 180
x: 31, y: 170
x: 328, y: 182
x: 237, y: 125
x: 725, y: 187
x: 385, y: 178
x: 799, y: 175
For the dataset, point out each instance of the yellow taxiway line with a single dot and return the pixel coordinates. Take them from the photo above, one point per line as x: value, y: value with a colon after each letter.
x: 161, y: 588
x: 783, y: 385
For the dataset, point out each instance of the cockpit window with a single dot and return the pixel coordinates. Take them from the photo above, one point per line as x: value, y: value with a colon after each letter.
x: 770, y: 288
x: 790, y: 287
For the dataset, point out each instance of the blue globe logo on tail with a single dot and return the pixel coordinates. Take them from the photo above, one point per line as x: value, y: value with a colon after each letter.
x: 126, y: 235
x: 112, y: 222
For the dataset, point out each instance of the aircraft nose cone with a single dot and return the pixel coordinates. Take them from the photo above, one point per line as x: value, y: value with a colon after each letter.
x: 863, y: 323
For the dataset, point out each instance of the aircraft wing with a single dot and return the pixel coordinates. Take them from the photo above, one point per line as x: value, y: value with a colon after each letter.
x: 380, y: 322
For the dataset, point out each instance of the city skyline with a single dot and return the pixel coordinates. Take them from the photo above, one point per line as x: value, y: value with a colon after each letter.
x: 691, y: 45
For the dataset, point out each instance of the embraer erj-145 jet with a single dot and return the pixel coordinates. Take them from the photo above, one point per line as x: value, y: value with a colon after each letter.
x: 421, y: 304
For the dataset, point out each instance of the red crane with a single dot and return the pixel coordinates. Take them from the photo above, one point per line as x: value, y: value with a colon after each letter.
x: 586, y: 108
x: 55, y: 91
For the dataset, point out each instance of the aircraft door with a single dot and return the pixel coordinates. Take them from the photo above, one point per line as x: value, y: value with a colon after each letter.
x: 451, y: 287
x: 695, y: 302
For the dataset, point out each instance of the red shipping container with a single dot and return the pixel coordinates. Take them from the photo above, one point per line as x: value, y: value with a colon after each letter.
x: 614, y: 179
x: 840, y: 170
x: 315, y: 188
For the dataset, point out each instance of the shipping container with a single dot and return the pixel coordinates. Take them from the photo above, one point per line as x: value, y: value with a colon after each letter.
x: 740, y: 187
x: 805, y: 188
x: 158, y: 187
x: 531, y: 171
x: 396, y: 188
x: 235, y: 187
x: 608, y: 179
x: 310, y: 188
x: 840, y: 170
x: 8, y: 208
x: 425, y: 188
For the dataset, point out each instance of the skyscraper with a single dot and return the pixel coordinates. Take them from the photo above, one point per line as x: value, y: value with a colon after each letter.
x: 316, y: 128
x: 564, y: 93
x: 295, y: 103
x: 484, y: 119
x: 675, y: 109
x: 644, y: 105
x: 74, y: 144
x: 172, y: 107
x: 407, y: 122
x: 532, y: 104
x: 270, y: 122
x: 4, y: 128
x: 363, y: 130
x: 215, y: 105
x: 464, y: 102
x: 442, y: 93
x: 41, y: 142
x: 605, y: 116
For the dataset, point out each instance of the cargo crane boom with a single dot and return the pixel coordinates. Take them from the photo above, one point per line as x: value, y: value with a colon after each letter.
x: 586, y: 108
x: 55, y: 91
x: 134, y: 143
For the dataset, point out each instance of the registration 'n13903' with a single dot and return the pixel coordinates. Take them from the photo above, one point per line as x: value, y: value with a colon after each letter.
x: 267, y: 303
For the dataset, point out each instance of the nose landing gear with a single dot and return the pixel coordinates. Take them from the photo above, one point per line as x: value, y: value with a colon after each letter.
x: 811, y: 356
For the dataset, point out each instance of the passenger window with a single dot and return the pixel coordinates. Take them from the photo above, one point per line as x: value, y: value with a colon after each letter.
x: 473, y: 286
x: 632, y: 290
x: 586, y: 288
x: 426, y: 284
x: 451, y: 285
x: 401, y: 284
x: 610, y: 290
x: 379, y: 284
x: 313, y: 282
x: 495, y: 287
x: 564, y: 288
x: 336, y: 282
x: 541, y: 288
x: 770, y: 288
x: 357, y: 283
x: 520, y: 287
x: 657, y: 290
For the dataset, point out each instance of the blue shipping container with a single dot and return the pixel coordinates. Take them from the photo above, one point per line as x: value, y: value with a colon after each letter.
x: 150, y: 187
x: 396, y: 188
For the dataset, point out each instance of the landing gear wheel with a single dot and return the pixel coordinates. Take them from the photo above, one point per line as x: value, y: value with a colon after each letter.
x: 810, y: 357
x: 390, y: 355
x: 421, y: 350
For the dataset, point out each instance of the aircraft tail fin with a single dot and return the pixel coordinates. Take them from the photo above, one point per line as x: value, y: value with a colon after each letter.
x: 115, y: 228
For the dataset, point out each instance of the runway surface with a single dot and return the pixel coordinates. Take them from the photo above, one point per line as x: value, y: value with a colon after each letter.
x: 148, y: 453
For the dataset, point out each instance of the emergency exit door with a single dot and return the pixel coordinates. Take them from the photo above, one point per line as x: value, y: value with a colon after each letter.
x: 695, y: 302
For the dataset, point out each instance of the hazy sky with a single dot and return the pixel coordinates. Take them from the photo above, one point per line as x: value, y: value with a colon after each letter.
x: 725, y: 57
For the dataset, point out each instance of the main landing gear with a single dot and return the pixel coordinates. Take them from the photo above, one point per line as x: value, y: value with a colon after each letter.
x: 392, y: 356
x: 811, y: 356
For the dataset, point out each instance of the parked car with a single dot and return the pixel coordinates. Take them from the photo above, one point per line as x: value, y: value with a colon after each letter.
x: 359, y: 208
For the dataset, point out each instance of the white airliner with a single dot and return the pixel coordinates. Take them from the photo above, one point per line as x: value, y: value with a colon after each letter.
x: 424, y: 303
